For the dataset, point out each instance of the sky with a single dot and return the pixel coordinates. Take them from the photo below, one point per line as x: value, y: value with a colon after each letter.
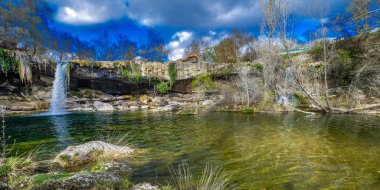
x: 178, y: 21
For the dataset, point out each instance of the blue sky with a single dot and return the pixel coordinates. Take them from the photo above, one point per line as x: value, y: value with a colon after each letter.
x: 88, y: 18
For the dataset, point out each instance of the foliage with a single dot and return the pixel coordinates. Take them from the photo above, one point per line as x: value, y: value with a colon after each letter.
x: 131, y: 71
x: 248, y: 110
x: 212, y: 178
x: 257, y: 67
x: 317, y: 51
x: 203, y: 83
x: 115, y: 138
x: 172, y: 73
x: 163, y: 87
x: 40, y: 179
x: 6, y: 63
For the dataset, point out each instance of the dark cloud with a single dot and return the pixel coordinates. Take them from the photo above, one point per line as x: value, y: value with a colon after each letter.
x: 211, y: 14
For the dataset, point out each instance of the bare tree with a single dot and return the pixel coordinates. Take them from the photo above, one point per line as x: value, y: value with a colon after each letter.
x: 360, y: 14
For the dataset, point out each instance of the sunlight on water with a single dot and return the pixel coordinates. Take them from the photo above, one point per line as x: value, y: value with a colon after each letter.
x: 288, y: 151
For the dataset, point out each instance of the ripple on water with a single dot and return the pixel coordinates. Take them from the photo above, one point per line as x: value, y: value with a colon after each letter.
x: 281, y: 151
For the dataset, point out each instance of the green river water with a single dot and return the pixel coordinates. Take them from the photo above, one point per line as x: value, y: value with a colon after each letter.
x: 258, y: 151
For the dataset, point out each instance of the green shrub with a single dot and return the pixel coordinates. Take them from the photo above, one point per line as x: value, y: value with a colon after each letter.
x: 203, y: 83
x: 163, y: 87
x: 130, y: 71
x: 257, y: 67
x: 248, y: 110
x: 317, y: 51
x: 6, y: 63
x: 172, y: 73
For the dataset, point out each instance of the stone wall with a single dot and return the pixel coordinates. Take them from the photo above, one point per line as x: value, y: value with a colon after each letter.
x: 156, y: 70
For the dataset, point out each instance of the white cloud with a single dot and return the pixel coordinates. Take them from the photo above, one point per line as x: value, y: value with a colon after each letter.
x: 87, y: 12
x: 180, y: 41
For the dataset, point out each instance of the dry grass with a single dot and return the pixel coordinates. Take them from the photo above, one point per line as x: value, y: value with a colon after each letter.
x: 211, y: 178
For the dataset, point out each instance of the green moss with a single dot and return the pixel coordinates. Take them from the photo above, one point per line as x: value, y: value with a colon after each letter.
x: 40, y: 179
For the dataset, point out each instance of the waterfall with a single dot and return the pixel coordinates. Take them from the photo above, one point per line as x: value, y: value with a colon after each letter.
x: 286, y: 98
x: 59, y: 91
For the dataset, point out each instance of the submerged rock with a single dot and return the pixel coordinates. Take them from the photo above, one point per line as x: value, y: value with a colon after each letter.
x: 168, y: 108
x: 80, y: 155
x: 101, y: 106
x: 144, y: 186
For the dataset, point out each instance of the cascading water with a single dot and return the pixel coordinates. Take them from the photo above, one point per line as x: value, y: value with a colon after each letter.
x: 59, y: 91
x: 286, y: 98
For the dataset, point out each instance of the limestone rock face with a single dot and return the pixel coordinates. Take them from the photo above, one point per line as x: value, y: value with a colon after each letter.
x: 158, y: 101
x: 101, y: 106
x: 75, y: 156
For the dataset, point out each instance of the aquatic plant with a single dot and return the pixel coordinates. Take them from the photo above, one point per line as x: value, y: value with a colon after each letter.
x: 211, y: 178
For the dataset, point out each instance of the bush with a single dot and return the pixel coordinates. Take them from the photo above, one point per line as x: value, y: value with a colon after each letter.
x: 6, y: 63
x: 163, y: 87
x: 130, y: 71
x: 248, y: 110
x: 317, y: 51
x: 172, y: 73
x: 203, y: 83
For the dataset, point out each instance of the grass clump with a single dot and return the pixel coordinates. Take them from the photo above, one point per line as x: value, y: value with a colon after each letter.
x: 248, y: 110
x: 211, y: 178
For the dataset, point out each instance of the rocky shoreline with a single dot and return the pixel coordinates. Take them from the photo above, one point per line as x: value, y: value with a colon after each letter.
x: 92, y: 165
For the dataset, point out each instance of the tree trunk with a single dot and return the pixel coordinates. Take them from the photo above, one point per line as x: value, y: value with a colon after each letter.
x: 325, y: 75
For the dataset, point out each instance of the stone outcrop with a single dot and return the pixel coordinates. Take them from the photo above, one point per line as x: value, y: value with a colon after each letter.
x: 76, y: 156
x: 101, y: 106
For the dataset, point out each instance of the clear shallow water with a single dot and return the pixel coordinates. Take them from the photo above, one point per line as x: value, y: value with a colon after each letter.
x: 270, y: 151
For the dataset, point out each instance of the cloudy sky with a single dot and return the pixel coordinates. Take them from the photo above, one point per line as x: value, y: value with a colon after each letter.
x: 178, y: 21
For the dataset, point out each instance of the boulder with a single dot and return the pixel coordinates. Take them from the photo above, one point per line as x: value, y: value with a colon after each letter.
x: 101, y: 106
x: 144, y: 186
x: 145, y: 99
x: 158, y: 101
x: 83, y: 181
x: 22, y: 108
x: 81, y: 155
